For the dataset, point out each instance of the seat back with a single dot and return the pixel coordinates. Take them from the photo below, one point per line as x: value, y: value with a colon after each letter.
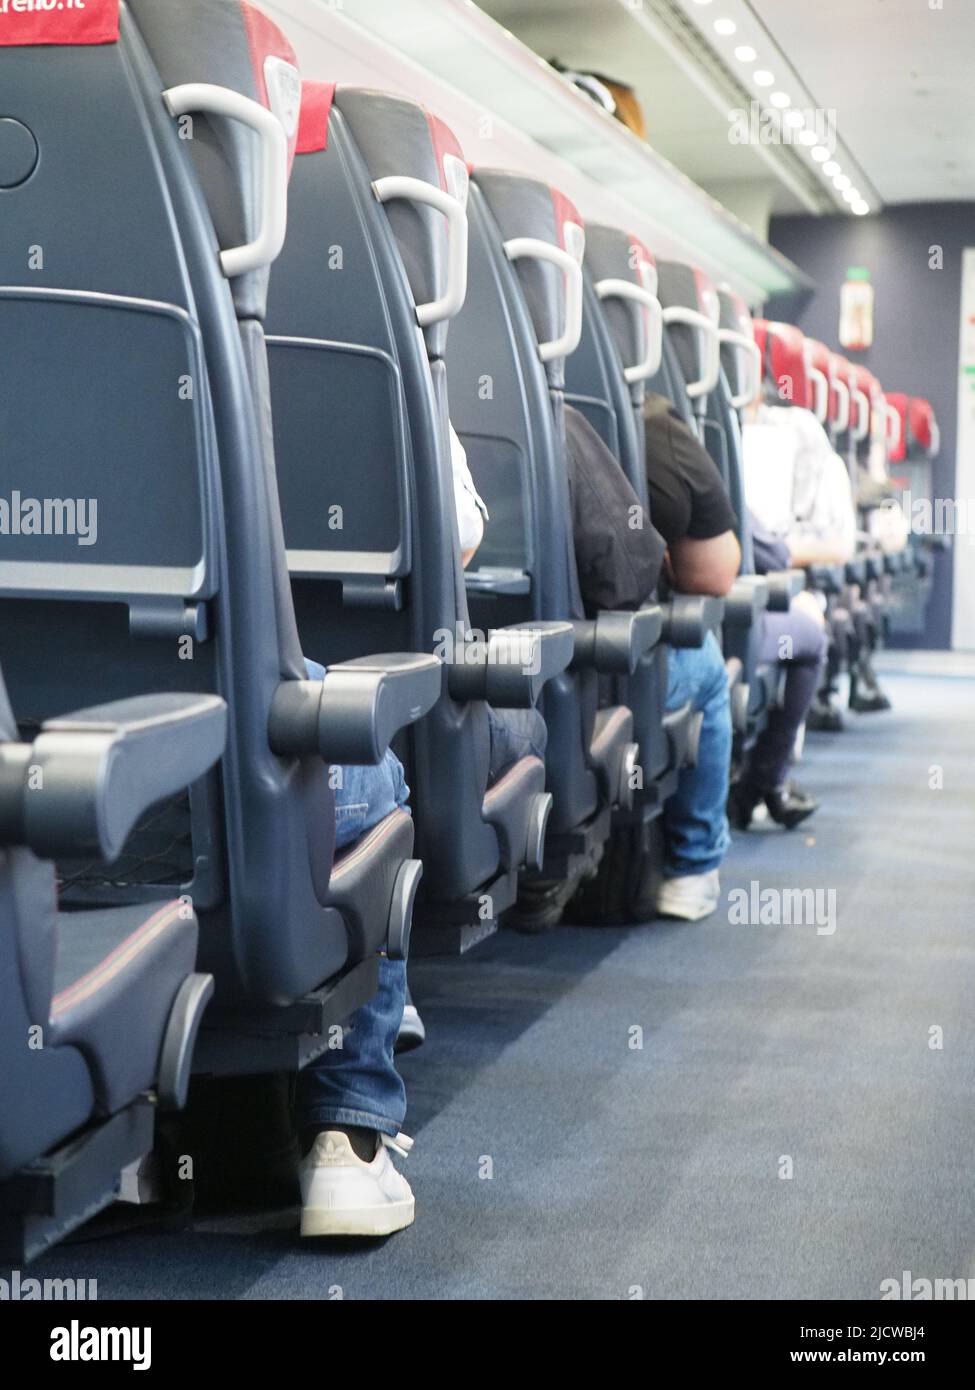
x: 47, y: 1091
x: 741, y: 359
x: 507, y: 406
x: 154, y: 407
x: 361, y: 436
x: 628, y: 333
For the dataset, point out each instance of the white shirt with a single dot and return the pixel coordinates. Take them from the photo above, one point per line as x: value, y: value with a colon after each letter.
x: 821, y: 505
x: 471, y: 511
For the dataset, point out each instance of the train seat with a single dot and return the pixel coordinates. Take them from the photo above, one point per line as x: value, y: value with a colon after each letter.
x: 692, y: 312
x: 98, y: 1007
x: 506, y: 367
x: 620, y: 350
x: 156, y: 405
x: 357, y: 373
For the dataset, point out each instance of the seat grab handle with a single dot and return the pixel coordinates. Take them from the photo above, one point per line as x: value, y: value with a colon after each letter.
x: 212, y: 100
x: 636, y: 294
x: 419, y: 191
x: 534, y: 249
x: 728, y: 337
x: 693, y: 318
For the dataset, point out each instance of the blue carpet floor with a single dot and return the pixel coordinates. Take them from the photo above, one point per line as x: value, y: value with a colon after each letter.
x: 556, y: 1157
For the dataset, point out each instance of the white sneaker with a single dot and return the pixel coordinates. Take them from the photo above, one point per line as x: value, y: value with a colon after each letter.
x: 344, y: 1196
x: 412, y: 1033
x: 691, y: 898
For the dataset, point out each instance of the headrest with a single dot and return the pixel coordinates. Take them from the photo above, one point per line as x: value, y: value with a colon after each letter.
x: 62, y: 22
x: 317, y: 99
x: 922, y: 428
x: 840, y: 370
x: 530, y: 211
x: 734, y: 313
x: 228, y: 43
x: 740, y: 364
x: 898, y: 402
x: 783, y: 349
x: 687, y: 289
x: 616, y: 258
x: 399, y: 139
x: 818, y: 367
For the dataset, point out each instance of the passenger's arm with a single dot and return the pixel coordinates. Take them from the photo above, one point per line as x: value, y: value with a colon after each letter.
x: 708, y: 567
x: 471, y: 511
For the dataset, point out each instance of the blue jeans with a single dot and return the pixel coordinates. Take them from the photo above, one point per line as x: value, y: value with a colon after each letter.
x: 358, y: 1084
x: 695, y: 820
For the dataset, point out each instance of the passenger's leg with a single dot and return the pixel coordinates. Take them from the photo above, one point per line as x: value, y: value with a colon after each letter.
x: 866, y: 696
x: 797, y: 639
x: 515, y: 734
x: 352, y: 1095
x: 694, y: 820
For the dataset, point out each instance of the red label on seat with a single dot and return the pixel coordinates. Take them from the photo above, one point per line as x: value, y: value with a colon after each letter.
x: 58, y: 22
x: 316, y: 110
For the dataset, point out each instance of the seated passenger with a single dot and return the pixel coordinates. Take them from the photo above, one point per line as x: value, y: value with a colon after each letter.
x: 797, y: 641
x: 619, y: 566
x: 820, y: 530
x: 351, y: 1102
x: 691, y: 509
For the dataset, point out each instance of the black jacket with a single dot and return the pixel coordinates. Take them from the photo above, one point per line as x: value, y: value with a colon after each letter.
x: 618, y: 553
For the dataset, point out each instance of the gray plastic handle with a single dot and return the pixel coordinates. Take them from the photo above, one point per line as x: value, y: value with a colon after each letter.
x: 829, y: 579
x: 354, y: 713
x: 88, y: 777
x: 511, y: 668
x: 688, y: 618
x: 783, y: 586
x: 747, y: 600
x: 613, y: 643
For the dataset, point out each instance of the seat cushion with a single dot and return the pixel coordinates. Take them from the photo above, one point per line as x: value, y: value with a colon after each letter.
x: 612, y: 733
x: 508, y: 806
x: 362, y: 882
x: 117, y: 974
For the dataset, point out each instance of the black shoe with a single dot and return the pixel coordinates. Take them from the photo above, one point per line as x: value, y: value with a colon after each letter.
x: 743, y: 798
x: 790, y: 805
x: 872, y: 703
x: 825, y: 718
x: 540, y: 906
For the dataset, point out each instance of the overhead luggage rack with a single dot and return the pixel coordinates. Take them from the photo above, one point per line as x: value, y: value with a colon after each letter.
x: 610, y: 173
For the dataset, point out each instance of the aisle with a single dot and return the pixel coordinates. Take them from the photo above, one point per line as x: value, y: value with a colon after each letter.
x: 617, y: 1167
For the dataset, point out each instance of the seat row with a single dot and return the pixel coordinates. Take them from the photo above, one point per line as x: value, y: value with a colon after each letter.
x: 240, y: 357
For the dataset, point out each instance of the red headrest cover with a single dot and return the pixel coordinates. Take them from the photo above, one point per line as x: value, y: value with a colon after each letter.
x: 782, y: 346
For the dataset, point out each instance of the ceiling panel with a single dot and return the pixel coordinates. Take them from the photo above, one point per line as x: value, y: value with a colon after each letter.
x: 900, y: 81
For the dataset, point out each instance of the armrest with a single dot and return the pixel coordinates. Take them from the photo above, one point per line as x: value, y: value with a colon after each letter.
x: 614, y: 642
x: 748, y: 599
x: 353, y: 714
x: 874, y: 562
x: 88, y: 777
x: 688, y: 618
x: 828, y: 579
x: 497, y: 581
x: 510, y: 669
x: 783, y: 585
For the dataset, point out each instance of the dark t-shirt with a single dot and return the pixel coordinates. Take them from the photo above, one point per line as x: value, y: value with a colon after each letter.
x: 618, y: 552
x: 687, y: 493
